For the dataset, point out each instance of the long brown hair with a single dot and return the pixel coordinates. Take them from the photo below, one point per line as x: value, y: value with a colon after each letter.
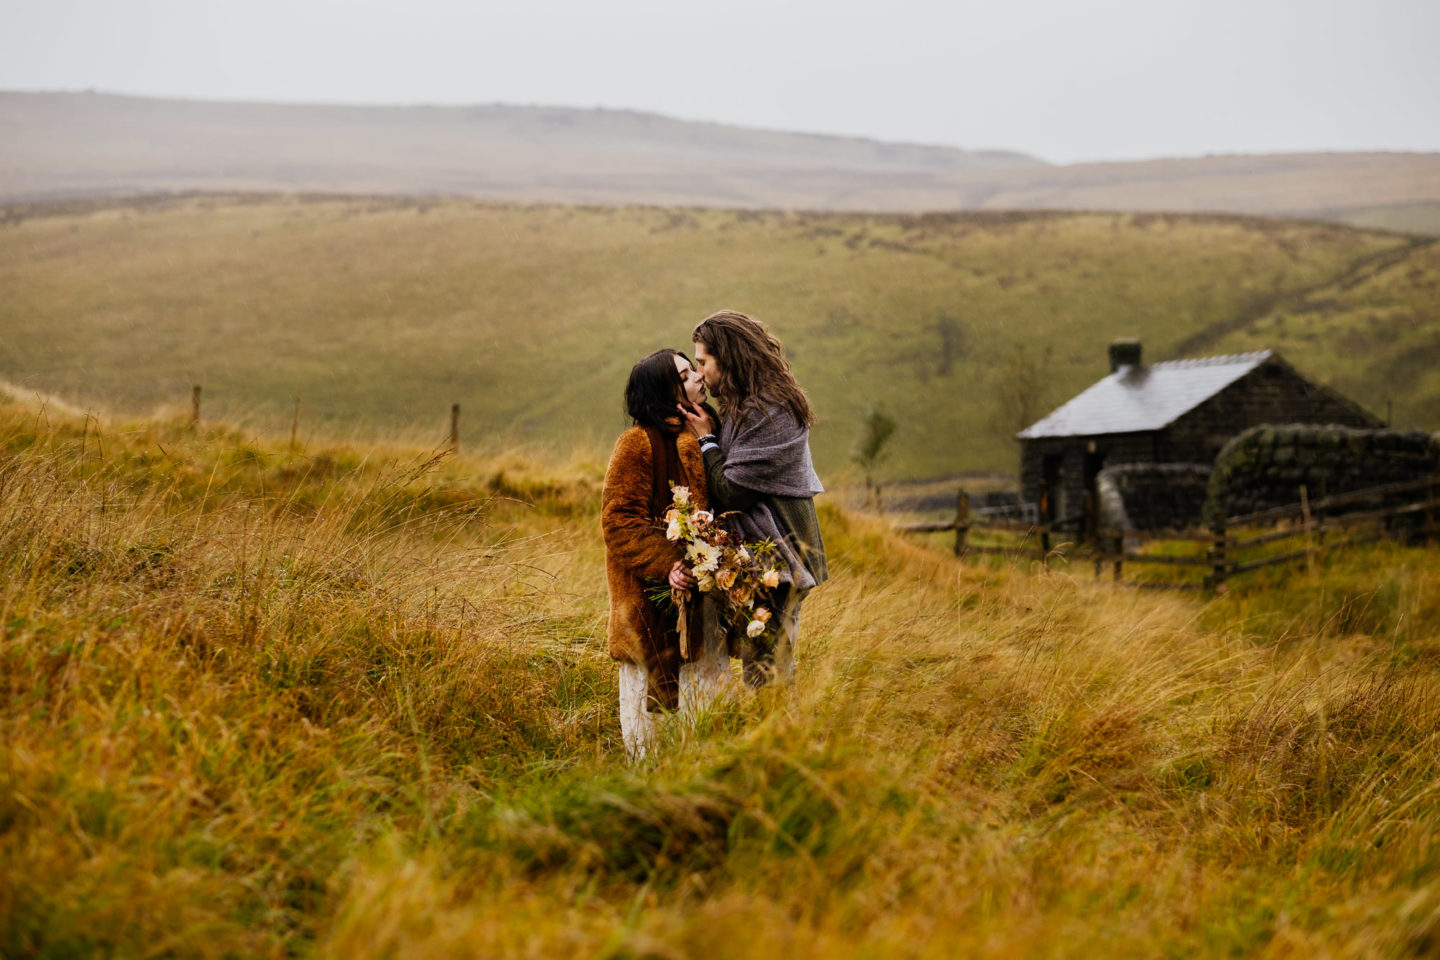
x: 753, y: 366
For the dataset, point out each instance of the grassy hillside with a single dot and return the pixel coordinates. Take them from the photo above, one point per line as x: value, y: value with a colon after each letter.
x: 1374, y: 334
x: 378, y: 314
x: 344, y: 702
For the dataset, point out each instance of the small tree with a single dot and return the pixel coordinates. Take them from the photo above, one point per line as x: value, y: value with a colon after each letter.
x: 1021, y: 390
x: 876, y: 429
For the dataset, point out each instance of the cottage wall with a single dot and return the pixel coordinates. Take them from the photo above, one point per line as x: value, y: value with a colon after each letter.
x: 1271, y: 393
x: 1032, y: 456
x: 1073, y: 456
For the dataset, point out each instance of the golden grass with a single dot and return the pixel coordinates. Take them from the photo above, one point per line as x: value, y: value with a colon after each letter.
x: 352, y: 703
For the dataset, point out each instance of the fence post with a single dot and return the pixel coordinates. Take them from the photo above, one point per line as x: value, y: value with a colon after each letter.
x: 1218, y: 566
x: 455, y: 428
x: 1117, y: 542
x: 1432, y: 500
x: 295, y: 424
x: 195, y: 407
x: 1305, y: 519
x: 1102, y: 537
x: 962, y: 522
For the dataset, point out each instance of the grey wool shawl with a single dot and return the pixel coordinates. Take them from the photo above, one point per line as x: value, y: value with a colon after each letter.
x: 767, y: 451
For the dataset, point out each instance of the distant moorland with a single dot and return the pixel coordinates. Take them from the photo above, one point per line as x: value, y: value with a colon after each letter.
x: 66, y: 145
x: 378, y: 313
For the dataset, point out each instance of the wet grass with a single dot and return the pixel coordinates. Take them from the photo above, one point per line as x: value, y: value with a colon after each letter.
x: 366, y: 712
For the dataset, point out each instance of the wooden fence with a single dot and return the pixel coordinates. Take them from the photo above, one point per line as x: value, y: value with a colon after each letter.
x: 1237, y: 545
x: 196, y: 392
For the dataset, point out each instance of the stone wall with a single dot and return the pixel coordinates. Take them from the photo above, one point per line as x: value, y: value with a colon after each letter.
x: 1265, y: 466
x: 1152, y: 496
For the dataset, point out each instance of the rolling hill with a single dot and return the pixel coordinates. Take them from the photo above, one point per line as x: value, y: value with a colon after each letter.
x: 60, y: 145
x: 377, y: 313
x: 66, y: 144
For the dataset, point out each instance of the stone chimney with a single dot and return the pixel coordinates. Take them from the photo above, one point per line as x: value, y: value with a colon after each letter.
x: 1124, y: 352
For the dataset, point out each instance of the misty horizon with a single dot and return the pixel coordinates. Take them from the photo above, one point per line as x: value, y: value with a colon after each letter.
x: 600, y: 108
x: 1115, y: 80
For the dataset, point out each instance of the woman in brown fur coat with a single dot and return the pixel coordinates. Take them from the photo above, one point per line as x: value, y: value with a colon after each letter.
x: 649, y: 457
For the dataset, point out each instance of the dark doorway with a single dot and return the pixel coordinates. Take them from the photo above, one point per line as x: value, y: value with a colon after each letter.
x: 1050, y: 487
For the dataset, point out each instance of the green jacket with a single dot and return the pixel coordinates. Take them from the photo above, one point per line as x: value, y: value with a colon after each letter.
x: 796, y: 514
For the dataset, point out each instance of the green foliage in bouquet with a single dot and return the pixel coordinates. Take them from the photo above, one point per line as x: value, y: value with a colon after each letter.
x: 742, y: 577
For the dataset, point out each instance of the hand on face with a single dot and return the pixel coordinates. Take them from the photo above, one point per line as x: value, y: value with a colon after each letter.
x: 697, y: 421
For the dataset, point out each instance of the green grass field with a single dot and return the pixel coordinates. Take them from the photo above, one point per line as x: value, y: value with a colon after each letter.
x: 379, y: 313
x: 342, y: 701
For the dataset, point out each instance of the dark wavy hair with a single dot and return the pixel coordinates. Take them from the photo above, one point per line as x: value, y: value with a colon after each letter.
x: 753, y: 366
x: 653, y: 390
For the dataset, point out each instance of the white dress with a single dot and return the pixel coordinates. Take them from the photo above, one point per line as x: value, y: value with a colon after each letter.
x: 701, y: 682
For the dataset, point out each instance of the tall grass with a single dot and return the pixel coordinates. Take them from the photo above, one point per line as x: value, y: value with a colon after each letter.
x: 354, y: 703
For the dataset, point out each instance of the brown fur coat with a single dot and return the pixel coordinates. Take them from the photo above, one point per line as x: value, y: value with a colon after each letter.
x: 636, y: 550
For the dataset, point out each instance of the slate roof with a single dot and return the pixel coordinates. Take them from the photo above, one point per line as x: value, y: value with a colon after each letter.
x: 1139, y: 399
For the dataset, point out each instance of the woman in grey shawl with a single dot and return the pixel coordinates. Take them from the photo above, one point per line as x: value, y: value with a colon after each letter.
x: 758, y: 466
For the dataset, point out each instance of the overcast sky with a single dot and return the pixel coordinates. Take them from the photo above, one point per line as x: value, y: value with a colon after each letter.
x: 1068, y: 81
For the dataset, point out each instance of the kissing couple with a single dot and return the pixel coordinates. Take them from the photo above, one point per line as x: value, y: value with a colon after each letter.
x: 747, y: 464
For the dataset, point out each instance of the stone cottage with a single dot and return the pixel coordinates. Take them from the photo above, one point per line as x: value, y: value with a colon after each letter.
x: 1178, y: 412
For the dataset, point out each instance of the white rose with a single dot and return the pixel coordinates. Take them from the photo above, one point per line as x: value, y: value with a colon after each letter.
x: 706, y: 557
x: 754, y: 629
x: 705, y: 583
x: 673, y: 531
x: 771, y: 579
x: 682, y: 494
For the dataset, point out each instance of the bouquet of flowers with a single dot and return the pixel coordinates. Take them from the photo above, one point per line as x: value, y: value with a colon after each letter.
x: 740, y: 575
